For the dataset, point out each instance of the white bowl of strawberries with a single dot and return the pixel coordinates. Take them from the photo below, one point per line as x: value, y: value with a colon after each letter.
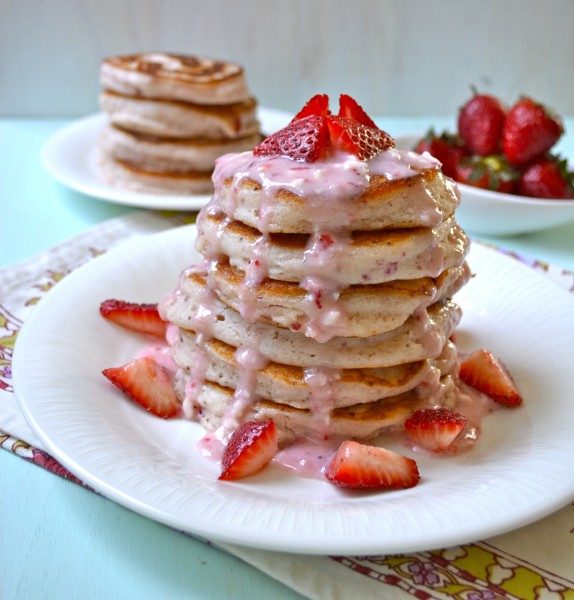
x: 511, y: 180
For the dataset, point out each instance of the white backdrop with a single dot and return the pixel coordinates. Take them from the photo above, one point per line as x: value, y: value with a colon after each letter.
x: 396, y: 57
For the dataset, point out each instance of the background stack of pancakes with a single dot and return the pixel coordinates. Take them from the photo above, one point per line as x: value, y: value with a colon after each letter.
x: 329, y: 315
x: 170, y: 117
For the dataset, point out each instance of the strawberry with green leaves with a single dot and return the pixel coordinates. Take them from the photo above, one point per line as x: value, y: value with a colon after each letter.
x: 480, y: 123
x: 530, y: 130
x: 487, y: 172
x: 547, y: 177
x: 445, y: 147
x: 315, y: 133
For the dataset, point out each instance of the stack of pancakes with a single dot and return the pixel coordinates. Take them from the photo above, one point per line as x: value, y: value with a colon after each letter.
x: 323, y: 306
x: 169, y: 117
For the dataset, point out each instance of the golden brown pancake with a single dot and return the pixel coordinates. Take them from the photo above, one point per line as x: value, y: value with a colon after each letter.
x: 386, y: 203
x: 156, y: 154
x: 177, y: 119
x: 359, y: 421
x: 421, y: 336
x: 370, y: 309
x: 132, y: 177
x: 197, y: 79
x: 373, y: 256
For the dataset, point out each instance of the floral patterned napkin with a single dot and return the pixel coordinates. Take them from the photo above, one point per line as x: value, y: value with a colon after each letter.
x: 510, y: 566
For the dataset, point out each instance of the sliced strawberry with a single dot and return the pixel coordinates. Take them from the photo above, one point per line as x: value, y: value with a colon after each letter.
x: 358, y: 139
x: 314, y: 132
x: 138, y: 317
x: 486, y: 373
x: 318, y: 106
x: 434, y: 428
x: 149, y: 384
x: 349, y: 108
x: 250, y: 448
x: 360, y: 466
x: 304, y: 140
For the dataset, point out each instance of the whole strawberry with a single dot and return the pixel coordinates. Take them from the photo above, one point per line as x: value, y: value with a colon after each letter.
x: 547, y: 177
x: 480, y: 123
x: 445, y: 147
x: 529, y: 131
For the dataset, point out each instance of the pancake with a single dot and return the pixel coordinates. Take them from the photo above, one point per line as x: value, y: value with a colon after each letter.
x: 159, y: 155
x: 286, y: 384
x: 176, y: 119
x: 385, y: 203
x: 367, y: 257
x: 421, y: 336
x: 131, y: 177
x: 168, y: 76
x: 324, y: 297
x: 369, y: 309
x: 360, y: 421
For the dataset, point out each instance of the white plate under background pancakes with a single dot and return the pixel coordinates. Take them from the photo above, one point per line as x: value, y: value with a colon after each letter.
x: 70, y: 156
x: 520, y: 471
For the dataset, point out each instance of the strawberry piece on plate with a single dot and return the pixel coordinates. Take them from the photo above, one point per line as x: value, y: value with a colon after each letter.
x: 486, y: 373
x: 434, y: 429
x: 143, y: 318
x: 361, y: 466
x: 149, y: 384
x: 250, y: 448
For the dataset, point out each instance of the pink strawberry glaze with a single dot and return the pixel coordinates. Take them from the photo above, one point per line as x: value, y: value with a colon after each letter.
x: 161, y: 353
x: 305, y: 458
x: 249, y: 361
x: 212, y: 446
x: 310, y: 458
x: 160, y: 350
x: 329, y: 188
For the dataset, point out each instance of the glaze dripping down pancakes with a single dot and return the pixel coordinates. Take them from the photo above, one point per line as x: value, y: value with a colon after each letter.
x: 325, y: 298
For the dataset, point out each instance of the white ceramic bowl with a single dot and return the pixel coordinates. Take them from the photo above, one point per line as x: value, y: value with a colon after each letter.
x: 493, y: 213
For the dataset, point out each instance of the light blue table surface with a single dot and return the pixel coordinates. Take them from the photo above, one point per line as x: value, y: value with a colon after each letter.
x: 60, y: 541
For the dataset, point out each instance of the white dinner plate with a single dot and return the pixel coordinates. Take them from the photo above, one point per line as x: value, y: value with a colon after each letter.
x: 70, y: 156
x: 520, y: 471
